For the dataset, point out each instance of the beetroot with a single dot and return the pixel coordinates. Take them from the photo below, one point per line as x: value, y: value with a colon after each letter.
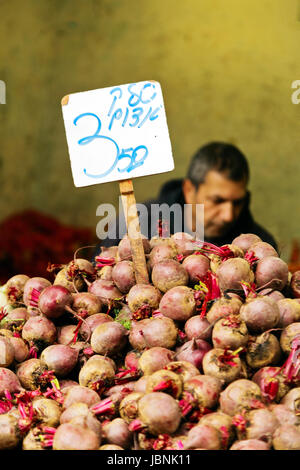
x: 54, y: 300
x: 196, y: 266
x: 30, y: 373
x: 143, y: 294
x: 287, y: 437
x: 245, y: 240
x: 273, y: 294
x: 34, y: 283
x: 169, y: 273
x: 21, y: 350
x: 260, y: 314
x: 222, y: 364
x: 125, y: 381
x: 204, y: 389
x: 165, y: 381
x: 80, y: 267
x: 223, y: 423
x: 289, y: 312
x: 60, y: 358
x: 223, y: 307
x: 162, y: 252
x: 65, y: 383
x: 141, y: 384
x: 159, y: 413
x: 105, y: 290
x: 295, y: 284
x: 132, y: 359
x: 184, y: 243
x: 15, y: 319
x: 197, y: 328
x: 161, y: 240
x: 123, y: 276
x: 39, y: 332
x: 136, y: 334
x: 116, y: 432
x: 232, y: 271
x: 47, y: 411
x: 290, y: 332
x: 178, y: 303
x: 9, y: 433
x: 72, y: 284
x: 81, y: 410
x: 240, y: 394
x: 109, y: 338
x: 250, y: 444
x: 154, y: 359
x: 109, y: 253
x: 203, y: 436
x: 105, y: 273
x: 271, y: 268
x: 193, y: 351
x: 160, y: 331
x: 7, y: 352
x: 97, y: 372
x: 15, y: 288
x: 261, y: 250
x: 292, y: 400
x: 67, y: 334
x: 186, y: 370
x: 86, y: 304
x: 257, y: 424
x: 124, y: 248
x: 230, y: 332
x: 8, y: 381
x: 283, y: 414
x: 98, y: 319
x: 272, y: 383
x: 263, y: 350
x: 118, y: 392
x: 32, y: 440
x: 70, y: 436
x: 80, y: 394
x: 129, y: 406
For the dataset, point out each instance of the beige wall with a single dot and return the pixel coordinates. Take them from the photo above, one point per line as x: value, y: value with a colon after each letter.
x: 225, y: 66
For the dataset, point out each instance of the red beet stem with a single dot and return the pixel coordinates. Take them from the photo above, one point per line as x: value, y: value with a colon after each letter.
x: 104, y: 261
x: 104, y: 407
x: 34, y: 298
x: 239, y: 422
x: 166, y: 385
x: 269, y: 388
x: 291, y: 367
x: 136, y: 425
x: 225, y: 436
x: 33, y: 351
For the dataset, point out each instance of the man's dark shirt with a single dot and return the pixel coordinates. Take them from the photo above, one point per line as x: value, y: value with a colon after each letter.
x: 171, y: 193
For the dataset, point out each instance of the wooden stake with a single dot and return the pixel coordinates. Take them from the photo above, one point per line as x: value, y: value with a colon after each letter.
x: 134, y: 231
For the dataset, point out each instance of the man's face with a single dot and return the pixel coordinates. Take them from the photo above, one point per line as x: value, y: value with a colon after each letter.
x: 223, y: 201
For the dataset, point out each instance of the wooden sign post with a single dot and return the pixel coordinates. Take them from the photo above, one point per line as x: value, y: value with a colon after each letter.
x: 115, y: 134
x: 133, y: 225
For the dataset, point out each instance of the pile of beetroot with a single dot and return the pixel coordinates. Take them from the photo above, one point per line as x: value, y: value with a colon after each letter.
x: 206, y: 356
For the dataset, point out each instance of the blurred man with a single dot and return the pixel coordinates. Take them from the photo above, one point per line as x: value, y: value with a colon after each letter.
x: 217, y: 177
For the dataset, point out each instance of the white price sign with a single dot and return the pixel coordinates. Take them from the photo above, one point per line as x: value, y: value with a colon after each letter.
x: 117, y: 133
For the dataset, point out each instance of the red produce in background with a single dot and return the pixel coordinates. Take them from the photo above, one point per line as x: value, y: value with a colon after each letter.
x: 30, y: 240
